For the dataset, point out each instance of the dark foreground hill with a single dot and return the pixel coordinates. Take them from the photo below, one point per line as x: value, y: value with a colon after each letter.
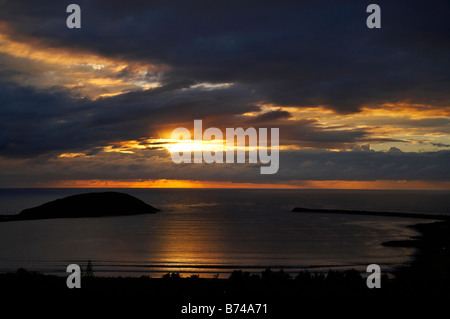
x: 86, y: 205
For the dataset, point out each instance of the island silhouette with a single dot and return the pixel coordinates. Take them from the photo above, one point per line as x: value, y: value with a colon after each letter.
x: 86, y: 205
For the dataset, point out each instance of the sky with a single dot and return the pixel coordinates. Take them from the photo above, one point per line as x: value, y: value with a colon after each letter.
x: 356, y: 108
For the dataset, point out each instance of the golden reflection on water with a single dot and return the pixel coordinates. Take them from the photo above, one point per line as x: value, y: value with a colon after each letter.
x: 177, y: 247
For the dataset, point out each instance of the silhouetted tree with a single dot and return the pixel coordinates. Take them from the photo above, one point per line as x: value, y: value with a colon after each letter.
x: 89, y: 272
x: 239, y: 275
x: 275, y: 276
x: 173, y: 275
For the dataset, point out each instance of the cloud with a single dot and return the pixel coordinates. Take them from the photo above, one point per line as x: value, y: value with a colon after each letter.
x: 30, y: 63
x: 312, y: 69
x: 270, y: 117
x: 34, y: 122
x: 440, y: 145
x: 394, y: 149
x: 295, y: 166
x: 295, y: 53
x: 363, y: 148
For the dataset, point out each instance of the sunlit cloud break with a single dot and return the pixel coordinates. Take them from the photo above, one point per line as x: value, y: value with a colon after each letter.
x: 85, y: 74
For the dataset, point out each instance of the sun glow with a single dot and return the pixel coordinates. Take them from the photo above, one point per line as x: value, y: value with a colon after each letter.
x: 206, y: 146
x: 194, y: 145
x: 306, y: 184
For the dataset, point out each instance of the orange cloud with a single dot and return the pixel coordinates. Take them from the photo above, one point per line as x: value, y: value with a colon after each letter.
x: 86, y: 74
x: 403, y: 121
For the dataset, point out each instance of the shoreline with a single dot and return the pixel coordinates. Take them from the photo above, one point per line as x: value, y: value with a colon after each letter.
x: 427, y: 275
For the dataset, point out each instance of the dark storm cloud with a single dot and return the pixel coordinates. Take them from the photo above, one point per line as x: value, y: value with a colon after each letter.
x: 270, y: 117
x: 294, y: 166
x: 309, y: 133
x: 366, y: 165
x: 440, y: 145
x: 33, y: 122
x: 291, y: 53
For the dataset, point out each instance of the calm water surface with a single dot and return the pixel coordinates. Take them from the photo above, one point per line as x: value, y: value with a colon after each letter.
x: 211, y: 232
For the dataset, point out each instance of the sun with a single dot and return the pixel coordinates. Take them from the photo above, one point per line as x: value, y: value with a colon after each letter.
x: 174, y: 146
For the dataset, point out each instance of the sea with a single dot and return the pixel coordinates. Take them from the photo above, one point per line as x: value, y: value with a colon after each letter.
x: 211, y: 232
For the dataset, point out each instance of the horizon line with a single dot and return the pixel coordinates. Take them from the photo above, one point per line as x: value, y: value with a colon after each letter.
x: 230, y: 188
x: 197, y: 184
